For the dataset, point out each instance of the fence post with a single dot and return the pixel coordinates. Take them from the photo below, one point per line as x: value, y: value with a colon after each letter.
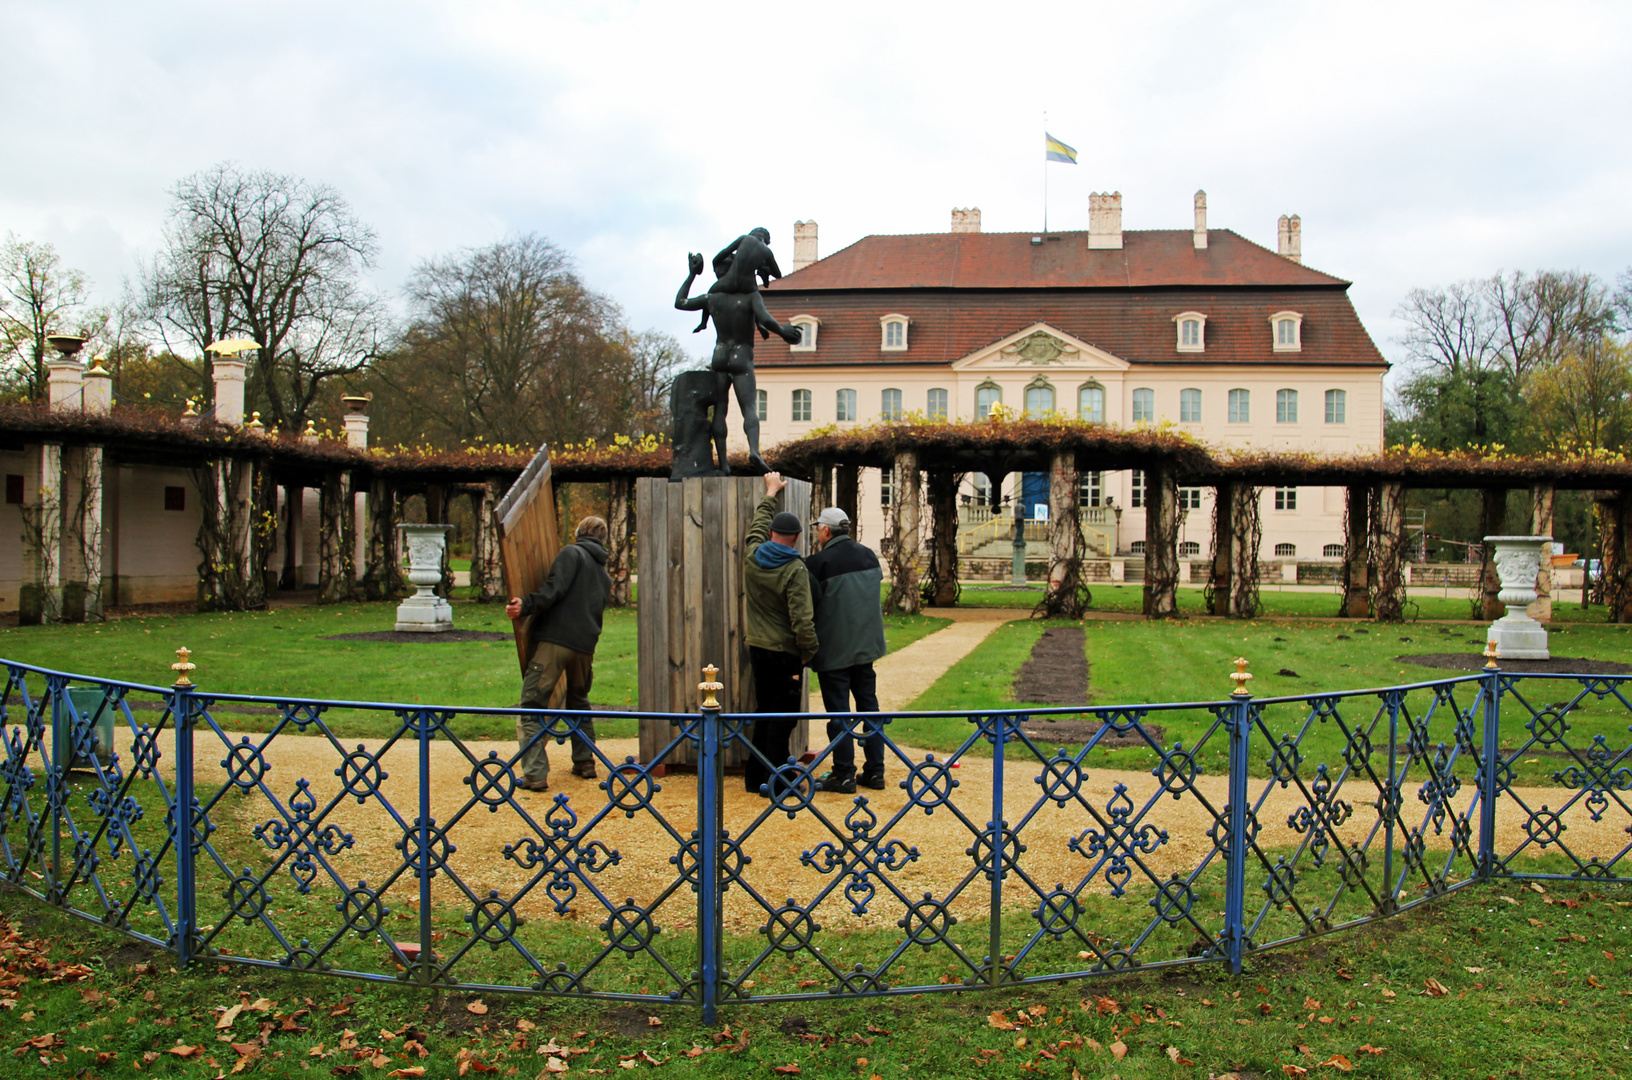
x: 1488, y: 767
x: 57, y: 789
x: 1238, y: 722
x: 709, y: 798
x: 427, y: 949
x: 1390, y: 801
x: 994, y: 962
x: 182, y: 707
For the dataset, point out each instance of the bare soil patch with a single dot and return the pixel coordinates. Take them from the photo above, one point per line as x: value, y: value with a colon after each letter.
x: 1558, y: 665
x: 1056, y: 673
x: 1062, y: 731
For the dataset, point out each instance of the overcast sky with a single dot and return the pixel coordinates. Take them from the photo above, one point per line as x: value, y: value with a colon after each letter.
x: 1421, y: 142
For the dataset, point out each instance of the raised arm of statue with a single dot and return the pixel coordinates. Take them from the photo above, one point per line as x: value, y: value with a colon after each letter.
x: 768, y: 324
x: 683, y: 299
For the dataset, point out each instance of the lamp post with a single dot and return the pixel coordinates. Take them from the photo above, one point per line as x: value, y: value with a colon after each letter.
x: 1017, y: 574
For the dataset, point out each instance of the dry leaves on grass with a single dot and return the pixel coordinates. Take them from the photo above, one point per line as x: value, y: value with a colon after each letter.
x: 477, y: 1007
x: 1338, y: 1062
x: 1434, y: 988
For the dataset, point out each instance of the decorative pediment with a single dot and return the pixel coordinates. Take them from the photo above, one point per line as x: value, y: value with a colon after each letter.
x: 1040, y: 346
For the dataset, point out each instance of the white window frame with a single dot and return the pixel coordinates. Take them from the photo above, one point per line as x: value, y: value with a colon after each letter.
x: 1295, y: 321
x: 839, y: 402
x: 1053, y: 397
x: 809, y: 327
x: 1286, y: 406
x: 1238, y: 406
x: 1286, y: 498
x: 1341, y: 401
x: 944, y: 412
x: 1091, y: 489
x: 1190, y: 498
x: 884, y: 323
x: 1081, y: 390
x: 885, y: 412
x: 1148, y: 417
x: 1200, y: 344
x: 1332, y: 551
x: 1190, y: 395
x: 985, y: 386
x: 1286, y: 551
x: 1136, y: 489
x: 795, y: 403
x: 762, y: 405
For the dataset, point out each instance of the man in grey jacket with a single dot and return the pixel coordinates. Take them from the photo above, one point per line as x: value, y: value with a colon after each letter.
x: 844, y: 587
x: 566, y: 627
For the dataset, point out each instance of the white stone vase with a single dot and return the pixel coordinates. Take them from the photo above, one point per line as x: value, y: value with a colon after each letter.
x: 424, y: 612
x: 1518, y: 561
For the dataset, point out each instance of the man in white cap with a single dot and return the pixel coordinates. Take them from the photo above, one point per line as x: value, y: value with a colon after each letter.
x: 844, y: 586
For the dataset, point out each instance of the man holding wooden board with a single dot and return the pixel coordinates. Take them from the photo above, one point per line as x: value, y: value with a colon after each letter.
x: 566, y: 627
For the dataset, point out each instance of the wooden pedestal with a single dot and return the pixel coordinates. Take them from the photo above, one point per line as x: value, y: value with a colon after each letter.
x: 689, y: 553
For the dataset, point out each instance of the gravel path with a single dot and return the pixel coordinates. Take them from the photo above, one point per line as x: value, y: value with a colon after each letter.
x: 903, y: 675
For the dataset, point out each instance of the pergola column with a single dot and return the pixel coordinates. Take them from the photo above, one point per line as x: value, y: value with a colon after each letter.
x: 1161, y: 599
x: 436, y: 513
x: 382, y: 576
x: 233, y: 497
x: 1066, y: 595
x: 821, y: 488
x: 1388, y: 541
x: 943, y: 538
x: 1541, y: 524
x: 486, y: 572
x: 1492, y: 522
x: 41, y: 595
x: 333, y: 567
x: 1223, y: 548
x: 293, y: 497
x: 904, y: 552
x: 1356, y: 546
x: 847, y: 496
x: 1615, y: 531
x: 1246, y: 533
x: 619, y: 526
x: 81, y: 517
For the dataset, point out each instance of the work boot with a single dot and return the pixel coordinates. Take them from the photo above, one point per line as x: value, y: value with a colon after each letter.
x: 584, y: 772
x: 873, y: 780
x: 838, y: 784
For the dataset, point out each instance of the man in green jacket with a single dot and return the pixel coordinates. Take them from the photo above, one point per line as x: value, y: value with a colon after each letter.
x: 781, y: 631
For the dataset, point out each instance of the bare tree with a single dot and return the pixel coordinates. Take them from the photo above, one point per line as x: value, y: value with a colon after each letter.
x: 1450, y: 329
x: 275, y: 259
x: 1543, y: 316
x: 38, y: 298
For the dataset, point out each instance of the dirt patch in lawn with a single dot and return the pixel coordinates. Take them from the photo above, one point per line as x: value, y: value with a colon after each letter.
x: 1056, y: 673
x: 1061, y: 731
x: 404, y: 637
x: 1558, y: 665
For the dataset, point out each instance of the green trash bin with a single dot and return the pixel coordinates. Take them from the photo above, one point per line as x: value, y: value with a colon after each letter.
x: 87, y: 700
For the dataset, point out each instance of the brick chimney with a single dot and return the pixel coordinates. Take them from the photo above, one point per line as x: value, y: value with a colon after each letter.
x: 966, y: 220
x: 804, y: 244
x: 1201, y: 221
x: 1105, y: 220
x: 1289, y: 235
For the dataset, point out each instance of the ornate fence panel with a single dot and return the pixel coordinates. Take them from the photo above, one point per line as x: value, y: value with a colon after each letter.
x: 1045, y: 845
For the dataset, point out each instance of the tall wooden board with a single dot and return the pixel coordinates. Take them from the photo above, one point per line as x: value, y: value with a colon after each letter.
x: 529, y: 541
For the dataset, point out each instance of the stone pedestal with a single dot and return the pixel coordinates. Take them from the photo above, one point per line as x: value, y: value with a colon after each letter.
x: 424, y: 612
x: 1516, y: 634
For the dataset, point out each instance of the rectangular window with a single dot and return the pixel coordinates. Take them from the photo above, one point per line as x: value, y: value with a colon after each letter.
x: 1286, y: 498
x: 1337, y: 406
x: 175, y: 498
x: 845, y: 408
x: 985, y: 398
x: 1240, y: 407
x: 1286, y: 406
x: 1137, y: 494
x: 1189, y: 498
x: 886, y: 486
x: 1144, y: 405
x: 801, y: 404
x: 937, y: 405
x: 1039, y: 400
x: 1190, y: 406
x: 1286, y: 332
x: 1091, y: 404
x: 14, y: 489
x: 1090, y: 489
x: 762, y: 404
x: 890, y: 407
x: 1190, y: 332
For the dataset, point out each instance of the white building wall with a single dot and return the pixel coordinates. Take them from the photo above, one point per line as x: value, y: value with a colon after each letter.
x: 157, y: 549
x: 27, y: 465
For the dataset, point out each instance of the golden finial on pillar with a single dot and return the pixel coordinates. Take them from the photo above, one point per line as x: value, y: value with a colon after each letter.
x: 181, y: 667
x: 1240, y: 677
x: 1490, y: 655
x: 710, y: 687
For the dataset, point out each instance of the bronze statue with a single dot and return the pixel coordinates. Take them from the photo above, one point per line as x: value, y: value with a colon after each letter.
x: 734, y: 303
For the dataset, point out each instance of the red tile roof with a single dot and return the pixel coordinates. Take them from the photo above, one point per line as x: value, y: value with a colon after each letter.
x: 1158, y: 257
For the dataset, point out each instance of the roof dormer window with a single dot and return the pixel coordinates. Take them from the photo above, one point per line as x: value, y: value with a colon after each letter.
x: 1192, y: 327
x: 1288, y: 331
x: 895, y: 333
x: 807, y: 325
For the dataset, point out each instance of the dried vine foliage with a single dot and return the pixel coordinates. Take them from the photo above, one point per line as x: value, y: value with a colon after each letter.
x: 939, y: 584
x: 1067, y: 595
x: 1247, y: 537
x: 234, y: 533
x: 1615, y: 532
x: 1388, y: 553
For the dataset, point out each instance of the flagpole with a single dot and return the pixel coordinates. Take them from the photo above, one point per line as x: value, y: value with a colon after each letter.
x: 1045, y: 174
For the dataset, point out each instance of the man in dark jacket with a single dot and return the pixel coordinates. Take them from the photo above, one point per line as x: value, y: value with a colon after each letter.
x: 844, y: 587
x: 566, y: 612
x: 781, y: 634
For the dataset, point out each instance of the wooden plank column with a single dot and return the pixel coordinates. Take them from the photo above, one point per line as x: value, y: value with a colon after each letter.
x: 943, y: 538
x: 1161, y: 600
x: 1388, y: 542
x: 692, y: 609
x: 1066, y: 595
x: 1245, y: 534
x: 906, y: 550
x: 1356, y: 555
x: 1492, y: 522
x: 1223, y: 548
x: 1541, y: 524
x: 619, y: 530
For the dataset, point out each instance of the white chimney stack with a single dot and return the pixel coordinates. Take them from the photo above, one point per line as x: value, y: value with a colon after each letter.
x: 1105, y: 220
x: 1201, y: 221
x: 1290, y: 238
x: 966, y: 220
x: 228, y: 374
x: 804, y: 244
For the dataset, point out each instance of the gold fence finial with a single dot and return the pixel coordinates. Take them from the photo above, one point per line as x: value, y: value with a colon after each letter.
x: 710, y: 687
x: 1240, y: 677
x: 181, y: 667
x: 1491, y: 655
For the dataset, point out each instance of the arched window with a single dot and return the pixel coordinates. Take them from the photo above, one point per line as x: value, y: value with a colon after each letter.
x: 894, y: 329
x: 762, y: 403
x: 845, y: 406
x: 1144, y: 405
x: 1337, y: 406
x: 1137, y: 547
x: 1039, y: 399
x: 1332, y: 551
x: 1286, y: 551
x: 807, y: 325
x: 1091, y: 403
x: 1240, y: 406
x: 1286, y: 331
x: 890, y: 406
x: 1286, y: 406
x: 801, y: 405
x: 937, y: 404
x: 1190, y: 406
x: 987, y: 395
x: 1189, y: 547
x: 1192, y: 327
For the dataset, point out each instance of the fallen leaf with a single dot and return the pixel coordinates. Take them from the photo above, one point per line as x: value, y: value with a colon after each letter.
x: 228, y: 1017
x: 1337, y: 1061
x: 1434, y: 988
x: 1119, y: 1049
x: 408, y: 1070
x: 1178, y: 1058
x: 1592, y: 980
x: 185, y: 1051
x: 1473, y: 970
x: 1000, y: 1022
x: 261, y: 1005
x: 790, y: 1069
x: 1311, y: 1004
x: 526, y: 1025
x: 556, y: 1065
x: 1370, y: 1049
x: 1325, y: 1019
x: 1106, y: 1006
x: 1390, y: 994
x: 652, y: 1021
x: 1535, y: 922
x: 477, y: 1007
x: 1294, y: 1070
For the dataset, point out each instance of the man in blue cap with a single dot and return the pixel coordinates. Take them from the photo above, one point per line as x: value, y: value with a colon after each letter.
x: 844, y: 587
x: 781, y: 630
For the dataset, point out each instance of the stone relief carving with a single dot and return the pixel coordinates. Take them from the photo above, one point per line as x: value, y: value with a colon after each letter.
x: 1041, y: 347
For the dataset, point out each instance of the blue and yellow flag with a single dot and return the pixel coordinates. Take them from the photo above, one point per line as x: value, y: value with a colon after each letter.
x: 1058, y: 151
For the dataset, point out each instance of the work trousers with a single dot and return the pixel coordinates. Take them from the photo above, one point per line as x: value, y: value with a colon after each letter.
x: 778, y: 680
x: 838, y: 685
x: 549, y: 662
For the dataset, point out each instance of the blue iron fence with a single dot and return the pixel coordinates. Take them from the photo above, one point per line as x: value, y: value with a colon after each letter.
x: 1043, y: 845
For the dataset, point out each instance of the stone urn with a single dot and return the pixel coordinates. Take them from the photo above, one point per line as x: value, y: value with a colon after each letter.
x: 1518, y: 561
x: 425, y: 612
